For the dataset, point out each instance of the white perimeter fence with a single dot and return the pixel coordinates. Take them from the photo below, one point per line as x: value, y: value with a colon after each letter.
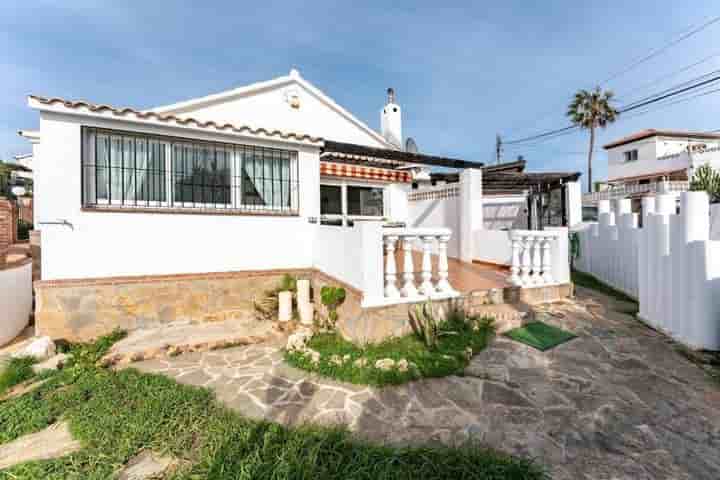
x: 669, y: 265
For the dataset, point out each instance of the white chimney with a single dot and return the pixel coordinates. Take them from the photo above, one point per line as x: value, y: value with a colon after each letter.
x: 391, y: 120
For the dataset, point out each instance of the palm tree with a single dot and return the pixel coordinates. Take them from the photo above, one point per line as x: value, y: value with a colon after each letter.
x: 589, y: 110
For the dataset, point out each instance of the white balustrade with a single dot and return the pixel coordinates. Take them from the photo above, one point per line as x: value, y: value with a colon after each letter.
x: 429, y: 240
x: 532, y: 262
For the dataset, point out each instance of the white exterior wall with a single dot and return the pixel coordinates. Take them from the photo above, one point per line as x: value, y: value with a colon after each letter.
x: 106, y: 244
x: 352, y: 254
x: 669, y: 265
x: 493, y: 246
x: 15, y: 300
x: 438, y: 213
x: 504, y: 212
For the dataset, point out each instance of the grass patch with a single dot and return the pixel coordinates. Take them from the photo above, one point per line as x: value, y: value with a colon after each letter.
x: 458, y: 341
x: 15, y: 371
x: 117, y: 414
x: 588, y: 281
x: 540, y: 335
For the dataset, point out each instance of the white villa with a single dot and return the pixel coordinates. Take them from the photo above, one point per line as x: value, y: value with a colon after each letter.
x: 190, y: 211
x: 640, y: 163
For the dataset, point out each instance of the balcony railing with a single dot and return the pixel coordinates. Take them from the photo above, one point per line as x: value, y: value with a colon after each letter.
x: 416, y: 281
x: 624, y: 191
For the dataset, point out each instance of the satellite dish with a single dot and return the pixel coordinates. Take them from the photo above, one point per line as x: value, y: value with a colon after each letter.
x: 18, y: 191
x: 411, y: 146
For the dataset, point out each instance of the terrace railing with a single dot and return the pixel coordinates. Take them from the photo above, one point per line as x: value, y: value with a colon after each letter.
x: 624, y: 191
x: 416, y: 281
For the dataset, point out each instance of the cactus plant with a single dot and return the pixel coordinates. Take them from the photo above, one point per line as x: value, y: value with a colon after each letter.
x: 426, y: 325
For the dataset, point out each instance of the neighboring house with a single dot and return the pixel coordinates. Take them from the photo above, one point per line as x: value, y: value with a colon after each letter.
x: 192, y: 211
x: 639, y: 163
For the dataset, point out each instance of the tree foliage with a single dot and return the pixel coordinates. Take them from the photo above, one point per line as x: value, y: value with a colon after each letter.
x: 590, y: 109
x: 706, y: 179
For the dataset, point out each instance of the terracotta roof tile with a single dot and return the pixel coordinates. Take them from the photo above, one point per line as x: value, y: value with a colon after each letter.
x: 185, y: 121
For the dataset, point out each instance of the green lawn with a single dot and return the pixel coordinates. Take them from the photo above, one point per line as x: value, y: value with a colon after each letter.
x: 117, y: 414
x: 457, y: 343
x: 14, y: 371
x: 588, y: 281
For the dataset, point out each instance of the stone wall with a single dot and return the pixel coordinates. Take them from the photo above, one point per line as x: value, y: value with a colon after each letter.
x: 80, y: 310
x: 85, y: 309
x: 8, y: 223
x: 507, y: 306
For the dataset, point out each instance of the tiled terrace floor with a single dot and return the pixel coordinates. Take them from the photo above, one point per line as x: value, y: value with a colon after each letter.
x: 464, y: 277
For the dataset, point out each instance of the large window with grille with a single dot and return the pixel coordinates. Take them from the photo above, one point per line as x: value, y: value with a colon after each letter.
x: 123, y: 169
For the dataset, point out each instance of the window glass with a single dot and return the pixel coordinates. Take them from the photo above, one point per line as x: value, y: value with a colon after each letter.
x: 142, y: 170
x: 330, y: 200
x: 365, y: 201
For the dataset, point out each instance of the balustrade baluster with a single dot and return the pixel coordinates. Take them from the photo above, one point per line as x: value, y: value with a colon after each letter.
x: 426, y: 287
x: 443, y: 285
x: 536, y: 278
x: 547, y: 260
x: 390, y: 269
x: 526, y: 261
x: 408, y: 289
x: 515, y: 263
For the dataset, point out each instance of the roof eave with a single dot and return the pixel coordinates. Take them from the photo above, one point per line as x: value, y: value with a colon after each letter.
x: 106, y: 112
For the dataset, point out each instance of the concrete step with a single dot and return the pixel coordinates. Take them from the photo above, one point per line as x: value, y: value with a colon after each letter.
x: 507, y: 316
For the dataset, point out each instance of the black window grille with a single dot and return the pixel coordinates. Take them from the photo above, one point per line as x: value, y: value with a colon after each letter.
x: 128, y: 169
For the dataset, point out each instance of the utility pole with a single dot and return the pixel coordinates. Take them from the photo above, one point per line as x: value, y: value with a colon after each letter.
x: 498, y: 148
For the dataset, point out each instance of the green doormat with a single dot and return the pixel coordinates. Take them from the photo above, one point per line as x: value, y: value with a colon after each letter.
x: 540, y: 335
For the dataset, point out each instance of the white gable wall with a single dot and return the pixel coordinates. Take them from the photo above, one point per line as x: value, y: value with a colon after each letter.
x: 271, y: 109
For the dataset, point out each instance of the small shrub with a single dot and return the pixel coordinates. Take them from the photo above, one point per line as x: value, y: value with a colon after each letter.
x: 16, y: 371
x: 707, y: 179
x: 332, y: 298
x: 425, y: 324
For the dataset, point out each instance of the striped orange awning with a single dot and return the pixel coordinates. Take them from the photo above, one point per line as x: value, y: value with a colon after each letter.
x: 345, y: 170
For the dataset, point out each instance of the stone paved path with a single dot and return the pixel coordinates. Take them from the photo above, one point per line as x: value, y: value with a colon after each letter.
x: 616, y: 403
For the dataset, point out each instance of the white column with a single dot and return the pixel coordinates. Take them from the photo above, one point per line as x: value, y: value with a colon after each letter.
x: 390, y: 269
x: 443, y: 285
x: 573, y: 200
x: 471, y: 211
x: 371, y: 260
x: 546, y: 259
x: 408, y: 289
x: 525, y: 261
x: 536, y: 261
x: 515, y: 263
x: 426, y: 287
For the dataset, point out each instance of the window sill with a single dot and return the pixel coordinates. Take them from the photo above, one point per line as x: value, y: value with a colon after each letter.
x: 190, y: 211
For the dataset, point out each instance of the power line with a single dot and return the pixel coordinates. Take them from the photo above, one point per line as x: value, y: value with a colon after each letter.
x: 671, y: 74
x: 688, y: 32
x: 662, y: 49
x: 649, y: 100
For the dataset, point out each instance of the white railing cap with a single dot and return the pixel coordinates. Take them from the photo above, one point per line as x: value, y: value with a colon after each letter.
x: 535, y: 233
x: 416, y: 232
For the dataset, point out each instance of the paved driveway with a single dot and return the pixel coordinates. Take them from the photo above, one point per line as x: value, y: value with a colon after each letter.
x: 616, y: 403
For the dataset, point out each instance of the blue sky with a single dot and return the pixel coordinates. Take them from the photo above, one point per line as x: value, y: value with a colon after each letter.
x: 462, y: 71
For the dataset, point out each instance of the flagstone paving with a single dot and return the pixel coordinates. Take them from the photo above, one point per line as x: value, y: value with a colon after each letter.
x: 616, y: 403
